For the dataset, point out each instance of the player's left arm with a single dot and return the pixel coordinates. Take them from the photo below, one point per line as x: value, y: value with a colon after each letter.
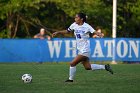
x: 91, y: 31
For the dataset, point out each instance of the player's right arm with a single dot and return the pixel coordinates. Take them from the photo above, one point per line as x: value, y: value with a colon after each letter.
x: 70, y: 29
x: 59, y: 32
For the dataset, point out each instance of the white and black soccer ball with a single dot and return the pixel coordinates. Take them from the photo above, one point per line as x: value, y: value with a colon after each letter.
x: 27, y: 78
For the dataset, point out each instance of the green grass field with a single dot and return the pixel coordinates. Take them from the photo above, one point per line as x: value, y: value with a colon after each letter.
x: 50, y: 77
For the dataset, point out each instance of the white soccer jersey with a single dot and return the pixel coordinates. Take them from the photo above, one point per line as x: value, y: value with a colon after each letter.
x: 81, y: 33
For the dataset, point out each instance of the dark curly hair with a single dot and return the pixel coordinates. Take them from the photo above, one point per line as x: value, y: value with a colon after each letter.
x: 82, y: 16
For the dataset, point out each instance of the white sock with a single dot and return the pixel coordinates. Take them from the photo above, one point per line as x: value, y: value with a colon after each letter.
x: 97, y: 67
x: 72, y: 72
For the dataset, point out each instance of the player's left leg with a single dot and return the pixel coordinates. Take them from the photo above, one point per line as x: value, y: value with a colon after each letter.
x: 89, y: 66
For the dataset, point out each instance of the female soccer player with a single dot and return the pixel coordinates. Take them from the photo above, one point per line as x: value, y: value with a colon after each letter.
x: 81, y: 31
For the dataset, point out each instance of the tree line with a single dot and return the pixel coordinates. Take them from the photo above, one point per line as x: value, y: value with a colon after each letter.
x: 24, y: 18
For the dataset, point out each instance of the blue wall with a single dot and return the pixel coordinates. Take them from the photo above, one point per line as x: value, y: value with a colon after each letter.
x: 63, y: 50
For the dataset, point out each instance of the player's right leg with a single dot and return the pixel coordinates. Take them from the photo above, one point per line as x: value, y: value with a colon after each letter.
x: 73, y: 64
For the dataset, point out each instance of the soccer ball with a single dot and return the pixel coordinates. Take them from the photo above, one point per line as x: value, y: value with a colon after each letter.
x: 27, y: 78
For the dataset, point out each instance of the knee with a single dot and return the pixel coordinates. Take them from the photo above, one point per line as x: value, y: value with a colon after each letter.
x: 72, y: 64
x: 87, y: 68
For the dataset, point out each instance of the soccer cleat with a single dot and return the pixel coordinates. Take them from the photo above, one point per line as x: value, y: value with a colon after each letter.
x: 69, y: 80
x: 108, y: 68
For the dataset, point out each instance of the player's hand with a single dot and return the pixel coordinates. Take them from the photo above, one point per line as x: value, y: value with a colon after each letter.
x: 54, y: 34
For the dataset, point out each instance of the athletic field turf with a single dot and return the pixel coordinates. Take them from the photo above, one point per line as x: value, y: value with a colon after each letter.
x: 50, y: 77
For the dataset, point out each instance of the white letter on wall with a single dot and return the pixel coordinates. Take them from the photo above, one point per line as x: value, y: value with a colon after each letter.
x: 135, y: 47
x: 109, y: 45
x: 54, y: 46
x: 68, y: 48
x: 98, y: 50
x: 122, y: 52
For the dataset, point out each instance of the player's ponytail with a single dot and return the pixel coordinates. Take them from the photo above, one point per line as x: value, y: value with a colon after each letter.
x: 82, y: 16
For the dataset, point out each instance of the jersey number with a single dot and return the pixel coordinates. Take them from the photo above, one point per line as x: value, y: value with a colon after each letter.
x: 78, y: 35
